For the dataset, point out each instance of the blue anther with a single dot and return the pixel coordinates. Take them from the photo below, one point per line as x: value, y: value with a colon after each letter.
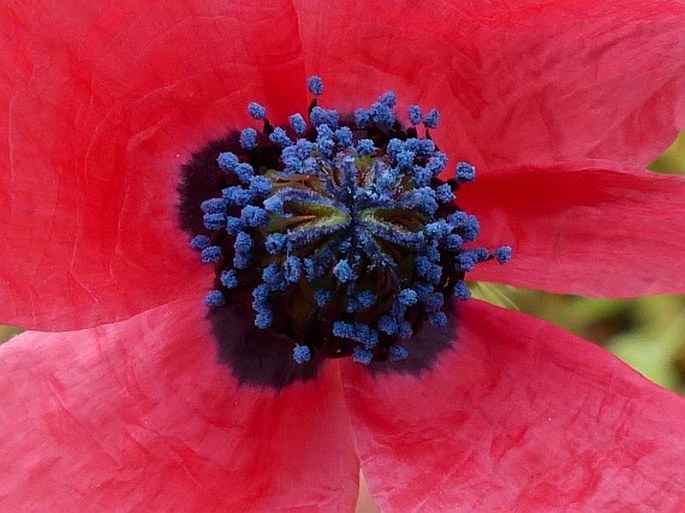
x: 362, y: 117
x: 214, y: 221
x: 214, y: 206
x: 301, y: 354
x: 389, y: 99
x: 466, y: 261
x: 436, y: 163
x: 343, y: 136
x: 200, y: 242
x: 244, y: 172
x: 405, y: 159
x: 297, y: 123
x: 292, y: 267
x: 236, y: 195
x: 254, y: 216
x: 407, y: 297
x: 215, y: 298
x: 343, y: 271
x: 356, y: 331
x: 382, y: 115
x: 453, y: 242
x: 227, y: 161
x: 465, y: 172
x: 248, y: 138
x: 211, y: 254
x: 502, y: 254
x: 366, y: 147
x: 393, y: 147
x: 273, y: 204
x: 322, y: 297
x: 275, y: 243
x: 319, y: 116
x: 439, y: 229
x: 243, y: 250
x: 234, y: 225
x: 461, y: 290
x: 443, y: 193
x: 260, y: 186
x: 315, y: 85
x: 363, y: 356
x: 397, y: 353
x: 263, y: 320
x: 388, y: 324
x: 278, y: 136
x: 432, y: 119
x: 426, y: 147
x: 438, y: 319
x: 229, y: 279
x: 255, y: 110
x: 415, y: 114
x: 366, y: 299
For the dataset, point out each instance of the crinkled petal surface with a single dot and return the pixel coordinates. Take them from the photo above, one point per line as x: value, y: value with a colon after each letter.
x: 583, y: 228
x: 100, y: 105
x: 137, y: 416
x: 518, y: 82
x: 519, y: 416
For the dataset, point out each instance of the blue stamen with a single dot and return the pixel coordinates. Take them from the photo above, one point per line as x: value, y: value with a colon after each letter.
x: 278, y: 136
x: 415, y: 115
x: 462, y: 291
x: 227, y: 161
x: 315, y: 85
x: 229, y: 279
x: 343, y: 271
x: 432, y: 119
x: 200, y: 242
x: 301, y: 354
x: 502, y: 254
x: 248, y: 138
x: 243, y: 250
x: 363, y: 356
x: 215, y: 298
x: 397, y: 353
x: 365, y: 147
x: 254, y: 216
x: 297, y: 123
x: 255, y: 110
x: 214, y: 221
x: 211, y: 254
x: 465, y: 172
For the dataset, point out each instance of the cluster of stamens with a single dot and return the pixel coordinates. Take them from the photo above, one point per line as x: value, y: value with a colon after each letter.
x: 341, y: 229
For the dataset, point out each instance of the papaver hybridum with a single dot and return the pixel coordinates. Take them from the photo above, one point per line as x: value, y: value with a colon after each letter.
x: 131, y: 394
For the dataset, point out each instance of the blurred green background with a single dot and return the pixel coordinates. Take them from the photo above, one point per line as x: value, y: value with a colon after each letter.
x: 648, y: 333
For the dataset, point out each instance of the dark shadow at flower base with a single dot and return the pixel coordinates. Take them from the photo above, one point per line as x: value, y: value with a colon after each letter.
x: 257, y: 357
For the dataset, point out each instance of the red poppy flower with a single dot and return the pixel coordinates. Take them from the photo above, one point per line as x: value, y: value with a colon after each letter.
x: 120, y: 402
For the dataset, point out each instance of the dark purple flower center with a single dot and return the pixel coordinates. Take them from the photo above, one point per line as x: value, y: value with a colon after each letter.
x: 336, y: 236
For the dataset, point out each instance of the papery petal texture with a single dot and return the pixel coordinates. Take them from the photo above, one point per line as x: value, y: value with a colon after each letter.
x: 138, y: 416
x: 519, y: 82
x: 101, y: 103
x: 584, y: 228
x: 519, y: 416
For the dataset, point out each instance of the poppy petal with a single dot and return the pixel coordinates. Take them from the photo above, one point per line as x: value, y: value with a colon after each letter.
x: 582, y: 229
x: 518, y: 416
x: 101, y: 105
x: 139, y: 416
x: 517, y: 82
